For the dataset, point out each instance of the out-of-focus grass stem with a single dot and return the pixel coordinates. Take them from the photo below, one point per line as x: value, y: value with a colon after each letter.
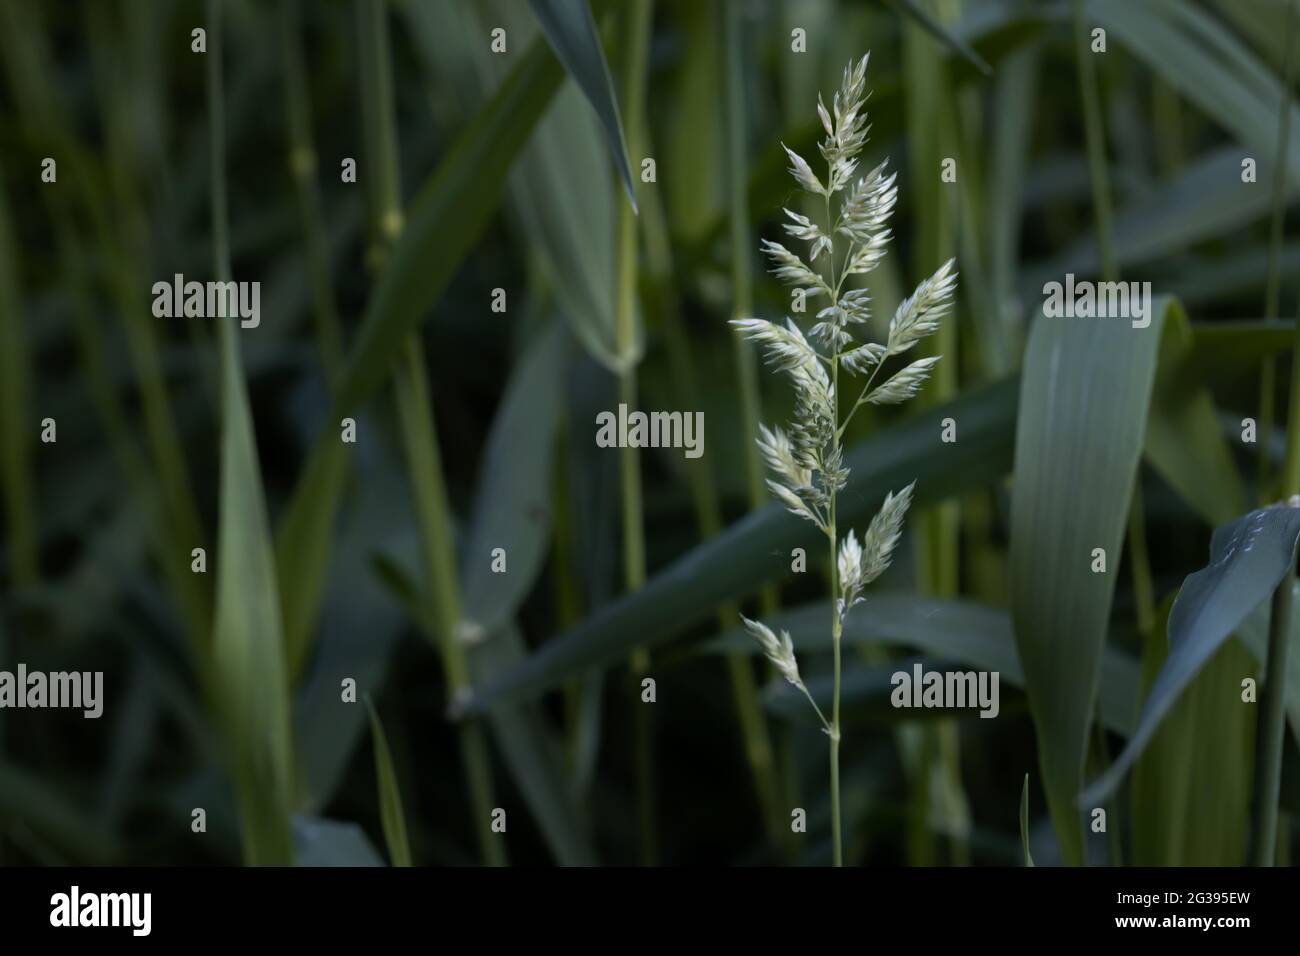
x: 419, y: 435
x: 1272, y: 713
x: 302, y: 166
x: 635, y: 36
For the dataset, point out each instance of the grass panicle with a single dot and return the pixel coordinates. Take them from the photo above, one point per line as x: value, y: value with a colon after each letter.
x: 807, y: 460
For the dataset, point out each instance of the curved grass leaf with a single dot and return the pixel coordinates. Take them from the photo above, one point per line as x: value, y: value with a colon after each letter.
x: 304, y: 543
x: 1182, y: 443
x: 1206, y: 200
x: 571, y: 31
x: 390, y: 797
x: 1085, y: 391
x: 248, y: 650
x: 1248, y: 557
x: 561, y: 192
x: 1197, y: 765
x: 756, y: 549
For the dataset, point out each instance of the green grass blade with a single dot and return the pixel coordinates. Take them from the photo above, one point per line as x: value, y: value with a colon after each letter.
x: 250, y: 685
x: 1182, y: 444
x: 1248, y: 557
x: 1196, y: 767
x: 571, y: 31
x: 561, y: 190
x: 248, y: 654
x: 1205, y: 63
x: 511, y: 507
x: 390, y: 797
x: 1203, y: 202
x: 464, y: 190
x: 1077, y: 451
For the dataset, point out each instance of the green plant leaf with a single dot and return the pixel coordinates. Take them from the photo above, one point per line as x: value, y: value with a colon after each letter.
x: 304, y: 544
x: 571, y: 31
x: 1182, y: 441
x: 1085, y: 391
x: 1197, y: 766
x: 1206, y: 200
x: 756, y: 549
x: 1207, y: 64
x: 561, y: 191
x: 1248, y: 557
x: 248, y: 650
x: 512, y: 503
x: 390, y: 797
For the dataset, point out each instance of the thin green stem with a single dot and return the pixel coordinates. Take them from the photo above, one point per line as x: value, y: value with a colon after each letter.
x: 1272, y: 717
x: 636, y: 21
x: 302, y: 166
x: 826, y: 724
x: 862, y: 398
x: 837, y: 836
x: 837, y: 841
x: 420, y: 438
x: 1090, y: 94
x: 1272, y: 288
x: 1143, y: 588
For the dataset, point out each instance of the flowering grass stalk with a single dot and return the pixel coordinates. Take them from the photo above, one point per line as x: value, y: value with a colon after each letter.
x: 807, y: 460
